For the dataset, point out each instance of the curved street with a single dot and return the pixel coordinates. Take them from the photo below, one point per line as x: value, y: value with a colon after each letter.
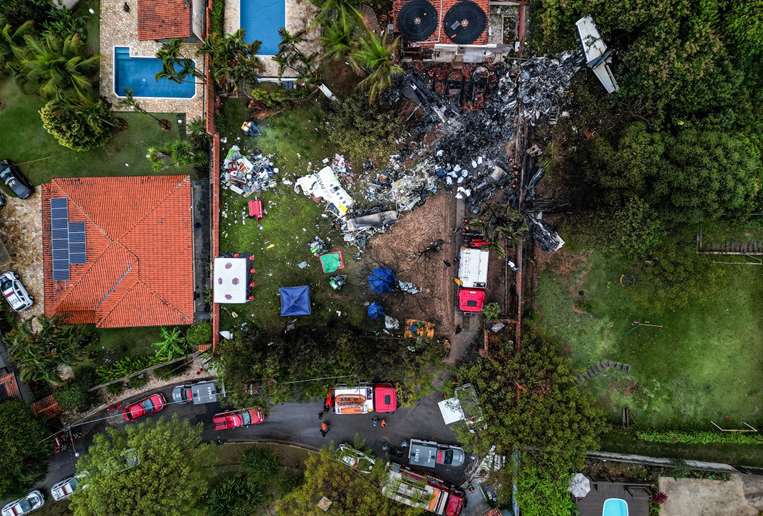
x: 296, y: 423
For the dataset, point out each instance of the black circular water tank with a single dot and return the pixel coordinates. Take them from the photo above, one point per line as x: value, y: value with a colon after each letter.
x: 464, y: 22
x: 417, y: 20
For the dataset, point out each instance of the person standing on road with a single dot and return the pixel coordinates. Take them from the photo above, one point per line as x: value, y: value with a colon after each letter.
x: 324, y: 428
x: 383, y: 423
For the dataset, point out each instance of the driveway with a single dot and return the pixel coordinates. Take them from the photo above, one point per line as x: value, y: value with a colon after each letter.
x: 21, y: 228
x: 295, y: 423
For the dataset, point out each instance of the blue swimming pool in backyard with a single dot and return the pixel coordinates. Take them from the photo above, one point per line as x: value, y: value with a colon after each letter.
x: 261, y: 21
x: 139, y: 75
x: 615, y: 507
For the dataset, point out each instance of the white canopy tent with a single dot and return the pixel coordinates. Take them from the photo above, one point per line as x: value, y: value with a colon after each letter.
x: 229, y: 280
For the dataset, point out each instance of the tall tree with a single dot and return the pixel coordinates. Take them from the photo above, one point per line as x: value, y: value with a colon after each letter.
x: 375, y: 57
x: 58, y: 67
x: 79, y: 123
x: 696, y: 175
x: 10, y: 39
x: 39, y: 346
x: 235, y: 64
x: 337, y: 35
x: 351, y: 493
x: 17, y: 12
x: 292, y: 56
x: 175, y: 66
x: 531, y: 403
x: 157, y: 468
x: 23, y: 450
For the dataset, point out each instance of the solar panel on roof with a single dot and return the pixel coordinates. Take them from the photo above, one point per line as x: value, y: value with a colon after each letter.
x: 68, y: 240
x: 59, y: 232
x: 77, y: 253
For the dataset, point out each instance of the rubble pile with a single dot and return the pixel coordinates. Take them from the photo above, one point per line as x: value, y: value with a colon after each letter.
x: 246, y: 175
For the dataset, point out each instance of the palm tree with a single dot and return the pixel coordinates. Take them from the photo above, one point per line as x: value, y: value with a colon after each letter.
x: 290, y: 55
x: 175, y: 67
x: 337, y: 36
x: 58, y: 66
x: 374, y: 56
x: 329, y: 10
x: 235, y: 64
x: 10, y: 40
x: 130, y: 103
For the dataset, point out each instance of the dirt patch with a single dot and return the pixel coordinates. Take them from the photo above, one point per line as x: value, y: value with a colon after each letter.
x: 21, y: 230
x: 695, y: 497
x: 400, y: 249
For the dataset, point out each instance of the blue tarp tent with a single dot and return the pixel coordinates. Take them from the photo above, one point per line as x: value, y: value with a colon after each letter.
x: 295, y: 301
x: 375, y: 311
x: 382, y: 280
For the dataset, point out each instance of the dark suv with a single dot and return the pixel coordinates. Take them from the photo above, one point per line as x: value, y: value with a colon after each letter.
x: 13, y: 179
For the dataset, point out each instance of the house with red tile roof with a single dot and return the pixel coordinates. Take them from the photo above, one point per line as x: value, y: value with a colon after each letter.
x: 118, y: 251
x: 170, y: 19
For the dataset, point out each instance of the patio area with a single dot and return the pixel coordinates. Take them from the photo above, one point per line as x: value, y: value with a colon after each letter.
x: 635, y: 495
x: 297, y: 15
x: 119, y: 28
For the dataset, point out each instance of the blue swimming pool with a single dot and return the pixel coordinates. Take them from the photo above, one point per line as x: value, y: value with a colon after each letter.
x: 615, y: 507
x: 261, y: 21
x: 139, y: 75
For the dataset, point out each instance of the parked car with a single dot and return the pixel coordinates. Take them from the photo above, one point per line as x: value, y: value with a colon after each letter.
x: 14, y: 291
x: 355, y: 459
x: 13, y: 179
x: 31, y: 502
x: 196, y: 393
x: 64, y: 489
x: 427, y: 454
x: 238, y: 418
x: 145, y: 407
x: 450, y: 456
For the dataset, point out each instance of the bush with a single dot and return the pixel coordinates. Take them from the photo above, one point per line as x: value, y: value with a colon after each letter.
x: 17, y: 12
x: 636, y: 229
x: 199, y: 333
x: 176, y: 154
x: 115, y: 388
x: 234, y: 496
x: 136, y: 382
x: 363, y: 131
x: 73, y: 397
x: 168, y: 371
x: 701, y: 437
x: 24, y: 449
x: 79, y: 126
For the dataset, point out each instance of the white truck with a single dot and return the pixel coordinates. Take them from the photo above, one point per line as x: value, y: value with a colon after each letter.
x: 472, y: 267
x: 326, y: 186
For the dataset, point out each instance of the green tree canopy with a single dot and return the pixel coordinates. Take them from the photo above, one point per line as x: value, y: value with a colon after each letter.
x: 350, y: 492
x: 23, y: 450
x: 673, y: 56
x: 58, y: 66
x: 235, y: 64
x: 171, y: 476
x: 79, y: 124
x: 38, y: 346
x: 374, y: 56
x: 531, y: 403
x: 693, y: 176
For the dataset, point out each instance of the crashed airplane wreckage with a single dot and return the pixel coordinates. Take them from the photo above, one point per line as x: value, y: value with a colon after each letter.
x: 469, y: 155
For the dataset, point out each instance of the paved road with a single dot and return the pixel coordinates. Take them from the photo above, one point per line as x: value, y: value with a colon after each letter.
x: 296, y: 423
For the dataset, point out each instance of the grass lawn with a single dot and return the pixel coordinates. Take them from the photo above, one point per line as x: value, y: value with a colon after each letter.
x: 279, y: 241
x: 24, y: 141
x: 132, y: 342
x: 704, y: 362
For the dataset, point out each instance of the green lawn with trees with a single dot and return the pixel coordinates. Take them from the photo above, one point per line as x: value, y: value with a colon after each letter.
x: 702, y: 360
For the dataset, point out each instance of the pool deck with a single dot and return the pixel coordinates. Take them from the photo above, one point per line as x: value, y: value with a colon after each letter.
x: 120, y: 29
x: 634, y: 494
x: 299, y: 13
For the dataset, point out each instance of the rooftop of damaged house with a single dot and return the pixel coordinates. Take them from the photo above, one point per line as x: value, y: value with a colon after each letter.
x: 300, y: 208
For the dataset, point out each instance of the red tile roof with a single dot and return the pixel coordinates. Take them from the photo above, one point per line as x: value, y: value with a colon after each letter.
x: 164, y: 19
x: 139, y: 268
